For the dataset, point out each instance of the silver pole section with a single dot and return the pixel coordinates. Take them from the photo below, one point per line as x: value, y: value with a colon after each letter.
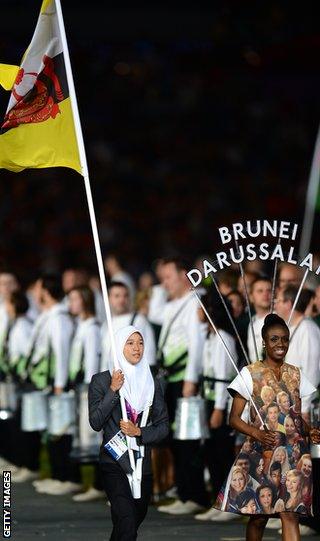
x: 273, y: 291
x: 297, y: 296
x: 248, y: 306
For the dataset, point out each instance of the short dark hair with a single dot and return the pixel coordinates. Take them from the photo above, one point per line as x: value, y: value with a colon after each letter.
x: 244, y: 498
x: 53, y: 284
x: 180, y: 263
x: 243, y: 456
x: 290, y: 293
x: 239, y: 295
x: 260, y: 279
x: 275, y: 466
x: 282, y: 437
x: 273, y: 405
x: 216, y: 310
x: 87, y: 297
x: 229, y: 277
x: 304, y: 298
x: 116, y: 283
x: 265, y: 485
x: 272, y: 320
x: 20, y: 302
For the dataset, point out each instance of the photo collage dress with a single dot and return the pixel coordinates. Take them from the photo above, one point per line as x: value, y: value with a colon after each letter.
x: 266, y: 480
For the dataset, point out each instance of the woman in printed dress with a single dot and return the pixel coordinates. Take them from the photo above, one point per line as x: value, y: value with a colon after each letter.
x: 247, y: 386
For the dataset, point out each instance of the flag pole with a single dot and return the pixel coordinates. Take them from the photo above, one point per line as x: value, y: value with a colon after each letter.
x: 311, y: 198
x: 273, y: 290
x: 85, y: 174
x: 297, y: 296
x: 248, y: 306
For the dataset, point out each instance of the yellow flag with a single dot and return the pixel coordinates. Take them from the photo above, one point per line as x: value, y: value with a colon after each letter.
x: 38, y: 128
x: 8, y: 75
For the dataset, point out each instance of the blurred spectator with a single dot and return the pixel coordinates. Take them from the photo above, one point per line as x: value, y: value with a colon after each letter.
x: 249, y: 278
x: 289, y: 275
x: 115, y: 270
x: 77, y: 277
x: 260, y: 298
x: 227, y: 281
x: 304, y: 348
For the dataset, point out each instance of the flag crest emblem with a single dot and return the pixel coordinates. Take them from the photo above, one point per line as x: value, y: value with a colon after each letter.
x: 38, y: 129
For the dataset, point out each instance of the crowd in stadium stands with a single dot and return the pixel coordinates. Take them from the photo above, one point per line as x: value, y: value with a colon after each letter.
x: 181, y: 135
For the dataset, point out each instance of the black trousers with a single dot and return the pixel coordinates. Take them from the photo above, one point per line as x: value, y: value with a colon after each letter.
x: 27, y: 450
x: 97, y: 479
x: 5, y: 450
x: 127, y: 513
x: 24, y: 446
x: 219, y: 456
x: 187, y: 455
x: 62, y: 467
x: 219, y: 451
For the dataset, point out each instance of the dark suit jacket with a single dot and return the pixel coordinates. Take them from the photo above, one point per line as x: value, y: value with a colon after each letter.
x: 105, y: 413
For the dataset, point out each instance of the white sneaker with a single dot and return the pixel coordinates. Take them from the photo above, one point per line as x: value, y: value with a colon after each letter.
x: 66, y: 487
x: 192, y: 507
x: 273, y: 524
x: 4, y: 462
x: 42, y: 482
x: 185, y: 508
x: 168, y: 508
x: 208, y: 515
x: 45, y: 484
x: 9, y: 467
x: 225, y: 516
x: 172, y: 492
x: 39, y: 482
x: 23, y: 474
x: 89, y: 496
x: 304, y: 530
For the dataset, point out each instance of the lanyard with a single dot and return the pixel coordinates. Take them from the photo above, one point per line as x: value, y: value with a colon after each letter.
x: 136, y: 476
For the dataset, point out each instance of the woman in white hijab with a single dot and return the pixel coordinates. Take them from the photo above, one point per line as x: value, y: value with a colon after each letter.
x: 147, y: 424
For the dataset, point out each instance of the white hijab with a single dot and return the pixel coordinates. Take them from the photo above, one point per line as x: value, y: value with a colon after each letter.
x: 138, y: 387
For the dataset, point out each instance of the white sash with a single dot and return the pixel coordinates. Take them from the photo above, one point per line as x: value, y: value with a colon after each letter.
x: 135, y: 478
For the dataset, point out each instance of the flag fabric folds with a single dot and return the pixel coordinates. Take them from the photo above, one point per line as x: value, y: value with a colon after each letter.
x: 38, y: 129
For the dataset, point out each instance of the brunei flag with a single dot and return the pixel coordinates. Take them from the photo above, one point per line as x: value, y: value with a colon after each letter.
x: 38, y: 128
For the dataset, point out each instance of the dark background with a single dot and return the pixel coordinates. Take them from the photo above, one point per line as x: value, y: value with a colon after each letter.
x: 194, y: 116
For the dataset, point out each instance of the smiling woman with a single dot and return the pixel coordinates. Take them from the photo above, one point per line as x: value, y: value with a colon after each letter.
x: 133, y: 348
x: 265, y: 443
